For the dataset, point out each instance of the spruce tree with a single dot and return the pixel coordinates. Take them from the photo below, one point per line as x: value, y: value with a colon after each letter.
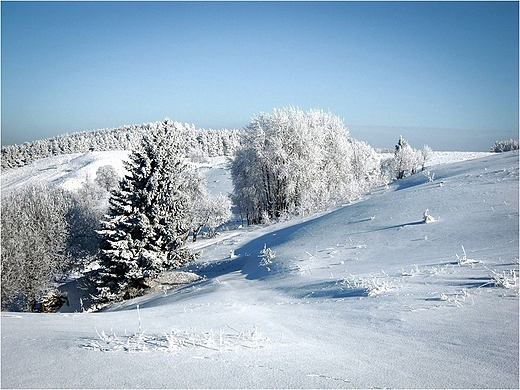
x: 147, y: 223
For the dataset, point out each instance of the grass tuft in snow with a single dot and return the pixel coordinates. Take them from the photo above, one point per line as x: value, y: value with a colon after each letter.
x: 505, y: 279
x: 176, y: 339
x: 457, y: 299
x: 372, y: 285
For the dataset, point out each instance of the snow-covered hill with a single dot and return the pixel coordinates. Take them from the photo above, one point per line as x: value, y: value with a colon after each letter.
x: 363, y: 296
x: 68, y: 171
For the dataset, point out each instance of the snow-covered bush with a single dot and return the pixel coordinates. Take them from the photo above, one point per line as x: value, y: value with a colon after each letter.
x: 505, y: 279
x: 505, y: 146
x: 87, y: 208
x: 52, y: 301
x: 148, y: 221
x: 219, y: 213
x: 206, y: 211
x: 371, y: 286
x: 296, y: 162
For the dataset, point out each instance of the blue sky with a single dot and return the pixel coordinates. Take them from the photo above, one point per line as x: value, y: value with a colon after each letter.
x: 439, y: 73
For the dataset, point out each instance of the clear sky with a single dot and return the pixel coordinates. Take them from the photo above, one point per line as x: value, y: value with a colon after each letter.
x: 439, y: 73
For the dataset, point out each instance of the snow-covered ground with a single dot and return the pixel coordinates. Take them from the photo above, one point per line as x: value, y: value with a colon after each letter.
x: 364, y: 296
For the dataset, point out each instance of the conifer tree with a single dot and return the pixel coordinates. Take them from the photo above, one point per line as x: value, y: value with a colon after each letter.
x: 147, y: 223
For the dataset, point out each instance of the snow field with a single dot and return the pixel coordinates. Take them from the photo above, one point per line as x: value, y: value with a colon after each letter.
x: 363, y: 296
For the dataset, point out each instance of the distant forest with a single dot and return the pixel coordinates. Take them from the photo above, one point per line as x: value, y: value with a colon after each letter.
x: 199, y: 143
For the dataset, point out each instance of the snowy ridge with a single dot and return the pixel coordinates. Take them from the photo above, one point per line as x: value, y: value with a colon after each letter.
x: 367, y: 295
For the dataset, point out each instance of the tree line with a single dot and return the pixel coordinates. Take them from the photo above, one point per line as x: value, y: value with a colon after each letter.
x: 198, y: 142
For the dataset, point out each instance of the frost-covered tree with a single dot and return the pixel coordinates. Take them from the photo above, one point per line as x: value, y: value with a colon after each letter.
x: 296, y: 162
x: 87, y: 208
x: 217, y: 211
x: 35, y: 231
x: 148, y: 220
x: 106, y: 177
x: 426, y: 154
x: 207, y: 211
x: 406, y: 159
x: 504, y: 146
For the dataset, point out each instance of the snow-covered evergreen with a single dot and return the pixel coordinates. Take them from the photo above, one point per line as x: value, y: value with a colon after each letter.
x: 148, y: 220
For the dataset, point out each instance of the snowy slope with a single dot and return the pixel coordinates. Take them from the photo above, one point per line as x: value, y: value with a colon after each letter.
x: 68, y: 171
x: 364, y: 296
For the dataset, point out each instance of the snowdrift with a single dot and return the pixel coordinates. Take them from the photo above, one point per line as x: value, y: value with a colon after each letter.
x: 367, y: 295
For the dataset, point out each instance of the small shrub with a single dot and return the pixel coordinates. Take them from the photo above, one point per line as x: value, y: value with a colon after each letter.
x: 427, y: 218
x: 267, y: 255
x: 53, y: 301
x: 371, y: 286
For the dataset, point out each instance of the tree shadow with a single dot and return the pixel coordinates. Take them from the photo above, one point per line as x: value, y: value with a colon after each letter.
x: 248, y: 257
x: 325, y: 290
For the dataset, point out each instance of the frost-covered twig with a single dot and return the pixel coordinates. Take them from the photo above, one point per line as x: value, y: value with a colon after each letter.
x: 505, y: 279
x: 464, y: 259
x: 414, y: 271
x: 430, y: 175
